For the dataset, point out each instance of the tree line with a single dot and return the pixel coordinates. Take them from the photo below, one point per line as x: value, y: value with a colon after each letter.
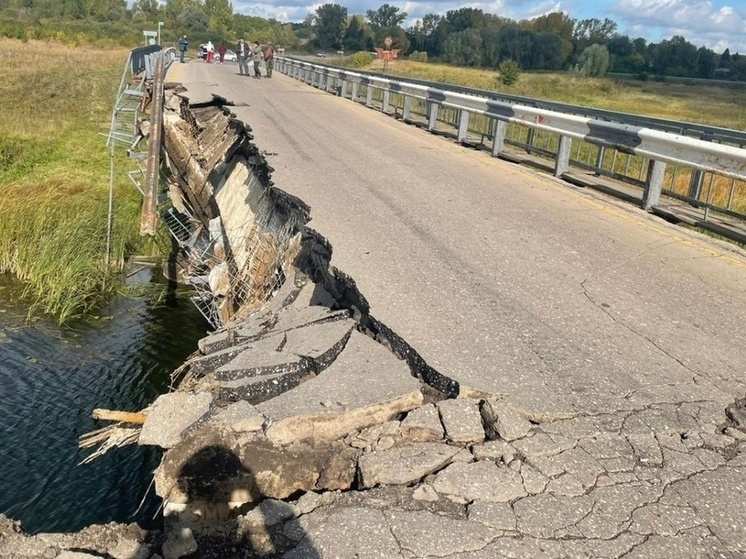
x: 466, y: 36
x: 117, y: 22
x: 555, y: 41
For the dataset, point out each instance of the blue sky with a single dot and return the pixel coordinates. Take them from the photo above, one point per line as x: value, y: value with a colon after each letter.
x: 715, y: 23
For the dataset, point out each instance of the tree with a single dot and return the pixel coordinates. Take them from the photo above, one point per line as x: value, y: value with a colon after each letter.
x: 465, y: 18
x: 146, y: 9
x: 725, y: 59
x: 706, y: 62
x: 329, y: 25
x: 386, y: 16
x: 590, y: 31
x: 594, y: 61
x: 464, y: 48
x: 559, y: 24
x: 219, y: 15
x: 357, y: 36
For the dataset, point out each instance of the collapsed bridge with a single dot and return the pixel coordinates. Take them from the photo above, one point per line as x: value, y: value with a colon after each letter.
x: 487, y: 365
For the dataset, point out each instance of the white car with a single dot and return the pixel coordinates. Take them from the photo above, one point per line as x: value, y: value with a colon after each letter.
x: 230, y: 56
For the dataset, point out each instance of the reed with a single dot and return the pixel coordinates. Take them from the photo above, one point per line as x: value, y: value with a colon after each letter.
x: 55, y: 102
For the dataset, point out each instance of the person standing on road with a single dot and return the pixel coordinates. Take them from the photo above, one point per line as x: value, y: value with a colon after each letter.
x: 258, y: 59
x: 242, y: 52
x: 183, y: 46
x: 269, y: 58
x: 210, y: 52
x: 221, y: 52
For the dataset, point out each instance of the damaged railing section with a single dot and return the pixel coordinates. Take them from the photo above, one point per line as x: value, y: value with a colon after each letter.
x: 234, y: 231
x: 653, y: 149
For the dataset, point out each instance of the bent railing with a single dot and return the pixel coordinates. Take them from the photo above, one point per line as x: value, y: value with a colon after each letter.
x: 656, y: 159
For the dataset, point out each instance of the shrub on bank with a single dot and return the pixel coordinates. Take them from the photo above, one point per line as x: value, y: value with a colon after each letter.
x: 361, y: 59
x: 509, y: 72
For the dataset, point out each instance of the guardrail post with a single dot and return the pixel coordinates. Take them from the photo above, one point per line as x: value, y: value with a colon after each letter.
x: 407, y: 110
x: 498, y: 142
x: 386, y: 98
x: 530, y: 139
x: 342, y: 88
x: 562, y: 163
x: 463, y: 126
x: 653, y: 184
x: 600, y: 159
x: 695, y: 184
x: 355, y: 87
x: 369, y: 95
x: 432, y: 117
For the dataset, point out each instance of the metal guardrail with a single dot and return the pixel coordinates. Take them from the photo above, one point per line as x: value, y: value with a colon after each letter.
x: 648, y: 150
x: 693, y: 129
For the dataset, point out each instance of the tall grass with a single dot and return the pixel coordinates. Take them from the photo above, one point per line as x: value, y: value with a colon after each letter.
x: 54, y: 102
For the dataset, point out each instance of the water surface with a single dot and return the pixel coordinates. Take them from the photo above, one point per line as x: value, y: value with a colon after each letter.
x: 50, y: 380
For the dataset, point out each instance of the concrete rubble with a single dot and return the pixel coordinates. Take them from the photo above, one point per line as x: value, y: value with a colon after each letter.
x: 303, y: 428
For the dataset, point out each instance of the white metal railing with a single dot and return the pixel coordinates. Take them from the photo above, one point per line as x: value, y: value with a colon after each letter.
x: 657, y: 146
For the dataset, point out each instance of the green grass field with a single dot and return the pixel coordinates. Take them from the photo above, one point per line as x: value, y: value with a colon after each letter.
x: 54, y: 170
x: 716, y: 105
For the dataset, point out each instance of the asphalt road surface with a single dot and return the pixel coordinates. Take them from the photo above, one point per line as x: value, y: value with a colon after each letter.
x: 505, y: 279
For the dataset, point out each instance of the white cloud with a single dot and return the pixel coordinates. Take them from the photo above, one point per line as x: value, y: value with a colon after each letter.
x: 700, y: 21
x: 296, y: 10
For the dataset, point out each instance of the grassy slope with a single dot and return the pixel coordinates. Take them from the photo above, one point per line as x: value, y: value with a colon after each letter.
x: 54, y: 101
x: 716, y: 105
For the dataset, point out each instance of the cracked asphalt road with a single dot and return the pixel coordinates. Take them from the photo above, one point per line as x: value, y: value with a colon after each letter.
x: 502, y: 278
x: 620, y: 336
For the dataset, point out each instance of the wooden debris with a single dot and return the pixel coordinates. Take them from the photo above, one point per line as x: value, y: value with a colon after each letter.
x: 138, y: 418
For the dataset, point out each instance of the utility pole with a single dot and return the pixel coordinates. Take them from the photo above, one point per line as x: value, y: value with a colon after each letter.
x: 160, y: 24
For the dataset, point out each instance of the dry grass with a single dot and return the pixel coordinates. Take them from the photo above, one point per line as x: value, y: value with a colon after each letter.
x: 54, y: 102
x: 715, y: 105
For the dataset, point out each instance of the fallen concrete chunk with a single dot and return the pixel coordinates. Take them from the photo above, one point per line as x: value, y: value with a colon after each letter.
x: 423, y: 424
x: 290, y: 318
x: 500, y: 451
x: 480, y: 481
x: 218, y: 341
x: 322, y: 342
x: 260, y: 361
x: 425, y: 493
x: 268, y: 513
x: 170, y: 415
x: 256, y: 389
x: 240, y: 417
x: 364, y: 386
x: 405, y: 464
x: 462, y: 420
x: 214, y: 466
x: 504, y: 420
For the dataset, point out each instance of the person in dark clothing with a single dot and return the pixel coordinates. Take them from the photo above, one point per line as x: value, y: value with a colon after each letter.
x: 269, y: 58
x: 243, y: 53
x: 183, y: 46
x: 221, y: 52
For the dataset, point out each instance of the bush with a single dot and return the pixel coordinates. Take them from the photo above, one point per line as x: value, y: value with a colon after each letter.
x: 594, y: 61
x: 360, y: 59
x: 509, y: 72
x: 418, y: 56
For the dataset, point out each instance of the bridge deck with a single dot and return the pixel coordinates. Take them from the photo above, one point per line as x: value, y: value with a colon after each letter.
x: 503, y: 278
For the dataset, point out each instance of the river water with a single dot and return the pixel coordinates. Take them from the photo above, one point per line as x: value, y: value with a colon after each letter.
x: 50, y: 380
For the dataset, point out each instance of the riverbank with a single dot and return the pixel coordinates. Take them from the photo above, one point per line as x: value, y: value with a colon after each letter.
x: 56, y: 102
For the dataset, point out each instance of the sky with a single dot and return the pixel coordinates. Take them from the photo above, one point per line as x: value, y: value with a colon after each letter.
x: 718, y: 24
